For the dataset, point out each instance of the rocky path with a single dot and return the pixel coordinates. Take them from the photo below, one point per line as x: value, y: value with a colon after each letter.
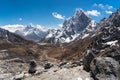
x: 75, y: 73
x: 55, y: 73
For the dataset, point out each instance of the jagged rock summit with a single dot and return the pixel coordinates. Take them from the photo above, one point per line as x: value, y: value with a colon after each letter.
x: 80, y: 25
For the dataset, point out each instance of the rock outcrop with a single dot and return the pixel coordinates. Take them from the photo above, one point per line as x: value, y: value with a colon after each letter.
x: 105, y: 68
x: 32, y: 68
x: 88, y: 57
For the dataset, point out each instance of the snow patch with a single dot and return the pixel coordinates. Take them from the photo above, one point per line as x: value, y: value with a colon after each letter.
x: 85, y: 35
x: 112, y: 43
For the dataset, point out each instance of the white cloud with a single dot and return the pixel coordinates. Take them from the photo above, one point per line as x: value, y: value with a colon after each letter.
x: 98, y: 5
x: 110, y: 7
x: 93, y: 13
x: 58, y: 16
x: 108, y: 12
x: 20, y: 19
x: 102, y: 6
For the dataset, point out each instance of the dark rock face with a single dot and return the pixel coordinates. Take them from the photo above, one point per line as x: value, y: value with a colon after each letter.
x: 105, y: 68
x: 108, y: 33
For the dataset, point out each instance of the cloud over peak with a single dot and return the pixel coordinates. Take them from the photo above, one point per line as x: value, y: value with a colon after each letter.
x: 58, y: 16
x: 93, y: 13
x: 108, y: 12
x: 102, y: 6
x: 108, y: 9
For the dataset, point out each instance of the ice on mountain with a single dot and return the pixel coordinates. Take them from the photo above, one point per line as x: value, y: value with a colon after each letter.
x: 112, y: 43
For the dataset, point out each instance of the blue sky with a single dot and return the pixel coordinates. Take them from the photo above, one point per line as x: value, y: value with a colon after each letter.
x: 51, y: 13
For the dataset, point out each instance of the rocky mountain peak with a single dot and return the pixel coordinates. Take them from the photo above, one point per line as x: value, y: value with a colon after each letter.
x: 118, y: 11
x: 114, y: 19
x: 29, y: 26
x: 73, y: 27
x: 78, y: 12
x: 80, y: 20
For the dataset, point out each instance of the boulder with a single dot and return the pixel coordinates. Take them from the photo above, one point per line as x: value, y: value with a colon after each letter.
x: 105, y: 68
x: 18, y: 77
x: 88, y: 57
x: 63, y: 63
x: 32, y: 68
x: 48, y: 66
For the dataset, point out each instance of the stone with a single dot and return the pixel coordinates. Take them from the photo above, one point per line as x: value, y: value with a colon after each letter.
x: 88, y: 57
x: 32, y: 68
x: 63, y: 63
x: 74, y: 73
x: 19, y: 76
x: 48, y: 66
x: 105, y: 68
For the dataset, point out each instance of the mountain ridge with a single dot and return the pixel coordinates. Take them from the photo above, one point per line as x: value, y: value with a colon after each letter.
x: 31, y: 32
x: 80, y: 25
x: 75, y: 28
x: 72, y: 28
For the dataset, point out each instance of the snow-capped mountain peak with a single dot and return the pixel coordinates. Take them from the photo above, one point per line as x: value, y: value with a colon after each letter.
x: 32, y: 32
x: 13, y: 28
x: 78, y: 12
x: 77, y: 26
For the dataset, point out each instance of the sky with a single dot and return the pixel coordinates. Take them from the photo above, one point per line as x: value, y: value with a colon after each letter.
x: 52, y: 13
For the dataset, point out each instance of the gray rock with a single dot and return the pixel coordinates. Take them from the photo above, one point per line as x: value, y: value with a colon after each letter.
x: 18, y: 77
x: 75, y: 73
x: 88, y: 57
x: 32, y: 68
x: 63, y: 63
x: 48, y: 66
x: 105, y: 68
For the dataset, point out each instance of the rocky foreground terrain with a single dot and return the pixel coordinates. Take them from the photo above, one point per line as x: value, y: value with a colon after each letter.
x: 100, y: 68
x: 16, y: 69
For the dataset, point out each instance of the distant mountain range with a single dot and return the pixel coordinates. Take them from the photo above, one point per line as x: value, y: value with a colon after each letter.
x: 31, y: 32
x: 9, y: 37
x: 80, y: 25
